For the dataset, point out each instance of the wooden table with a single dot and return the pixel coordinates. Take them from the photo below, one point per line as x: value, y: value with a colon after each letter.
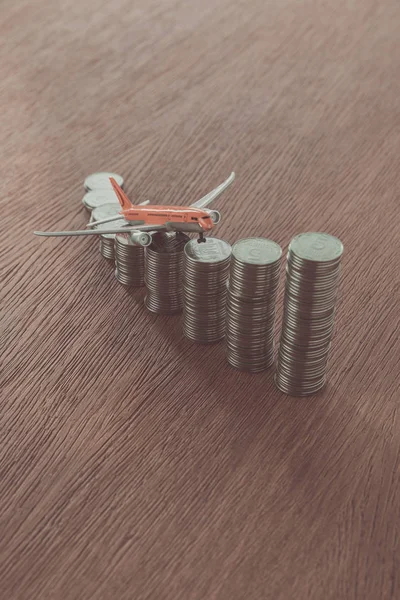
x: 135, y: 464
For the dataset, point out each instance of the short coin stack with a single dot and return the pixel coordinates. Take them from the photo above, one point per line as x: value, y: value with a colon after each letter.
x: 100, y: 190
x: 129, y: 261
x: 96, y: 198
x: 101, y: 181
x: 312, y: 275
x: 205, y: 274
x: 107, y: 240
x: 163, y: 273
x: 250, y: 314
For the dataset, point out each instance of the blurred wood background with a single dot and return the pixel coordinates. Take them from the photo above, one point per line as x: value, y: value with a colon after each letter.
x: 134, y: 464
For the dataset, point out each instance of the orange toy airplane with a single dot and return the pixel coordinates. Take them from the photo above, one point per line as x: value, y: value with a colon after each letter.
x: 139, y: 218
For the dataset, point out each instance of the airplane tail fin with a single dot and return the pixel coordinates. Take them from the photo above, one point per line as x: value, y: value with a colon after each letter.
x: 122, y: 197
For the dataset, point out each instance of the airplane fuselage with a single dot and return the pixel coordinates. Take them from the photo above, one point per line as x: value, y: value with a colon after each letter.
x: 180, y: 218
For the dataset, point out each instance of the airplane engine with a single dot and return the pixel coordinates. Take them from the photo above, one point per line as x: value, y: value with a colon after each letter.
x: 141, y: 238
x: 215, y: 216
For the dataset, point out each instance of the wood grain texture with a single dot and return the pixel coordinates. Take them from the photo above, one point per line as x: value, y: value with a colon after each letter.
x: 125, y: 473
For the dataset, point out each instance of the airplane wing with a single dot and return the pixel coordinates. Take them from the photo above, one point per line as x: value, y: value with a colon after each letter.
x: 101, y: 231
x: 206, y: 200
x: 117, y: 217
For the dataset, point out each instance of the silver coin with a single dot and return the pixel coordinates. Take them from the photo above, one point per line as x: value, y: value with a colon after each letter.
x: 101, y: 181
x: 319, y: 247
x: 211, y: 251
x: 106, y: 210
x: 169, y: 243
x: 97, y: 198
x: 103, y: 212
x: 257, y: 251
x: 110, y: 236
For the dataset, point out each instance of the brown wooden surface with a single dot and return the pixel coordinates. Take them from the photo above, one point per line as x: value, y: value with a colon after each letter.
x: 134, y: 464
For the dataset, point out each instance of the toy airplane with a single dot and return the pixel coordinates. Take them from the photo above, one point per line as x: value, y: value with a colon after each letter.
x: 152, y: 218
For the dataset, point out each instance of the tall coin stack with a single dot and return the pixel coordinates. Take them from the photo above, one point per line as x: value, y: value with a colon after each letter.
x: 129, y: 261
x: 250, y: 313
x: 163, y: 273
x: 107, y: 240
x: 205, y: 274
x: 312, y: 276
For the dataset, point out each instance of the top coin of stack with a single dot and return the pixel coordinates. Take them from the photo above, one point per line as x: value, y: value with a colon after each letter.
x: 254, y: 266
x: 250, y: 315
x: 312, y: 276
x: 101, y: 181
x: 96, y: 198
x: 205, y: 273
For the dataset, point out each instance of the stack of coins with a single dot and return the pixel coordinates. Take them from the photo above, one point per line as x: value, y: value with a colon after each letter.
x: 96, y: 198
x: 312, y: 275
x: 163, y: 273
x: 101, y: 181
x: 205, y: 274
x: 107, y: 239
x: 250, y: 315
x: 129, y: 261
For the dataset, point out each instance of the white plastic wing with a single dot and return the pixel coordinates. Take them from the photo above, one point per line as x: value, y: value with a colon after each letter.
x: 206, y: 200
x: 101, y: 231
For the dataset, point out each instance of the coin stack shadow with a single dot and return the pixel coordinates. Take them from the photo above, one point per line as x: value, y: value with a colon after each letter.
x: 106, y: 244
x: 251, y: 303
x: 163, y: 273
x: 205, y: 274
x: 129, y: 261
x: 312, y: 276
